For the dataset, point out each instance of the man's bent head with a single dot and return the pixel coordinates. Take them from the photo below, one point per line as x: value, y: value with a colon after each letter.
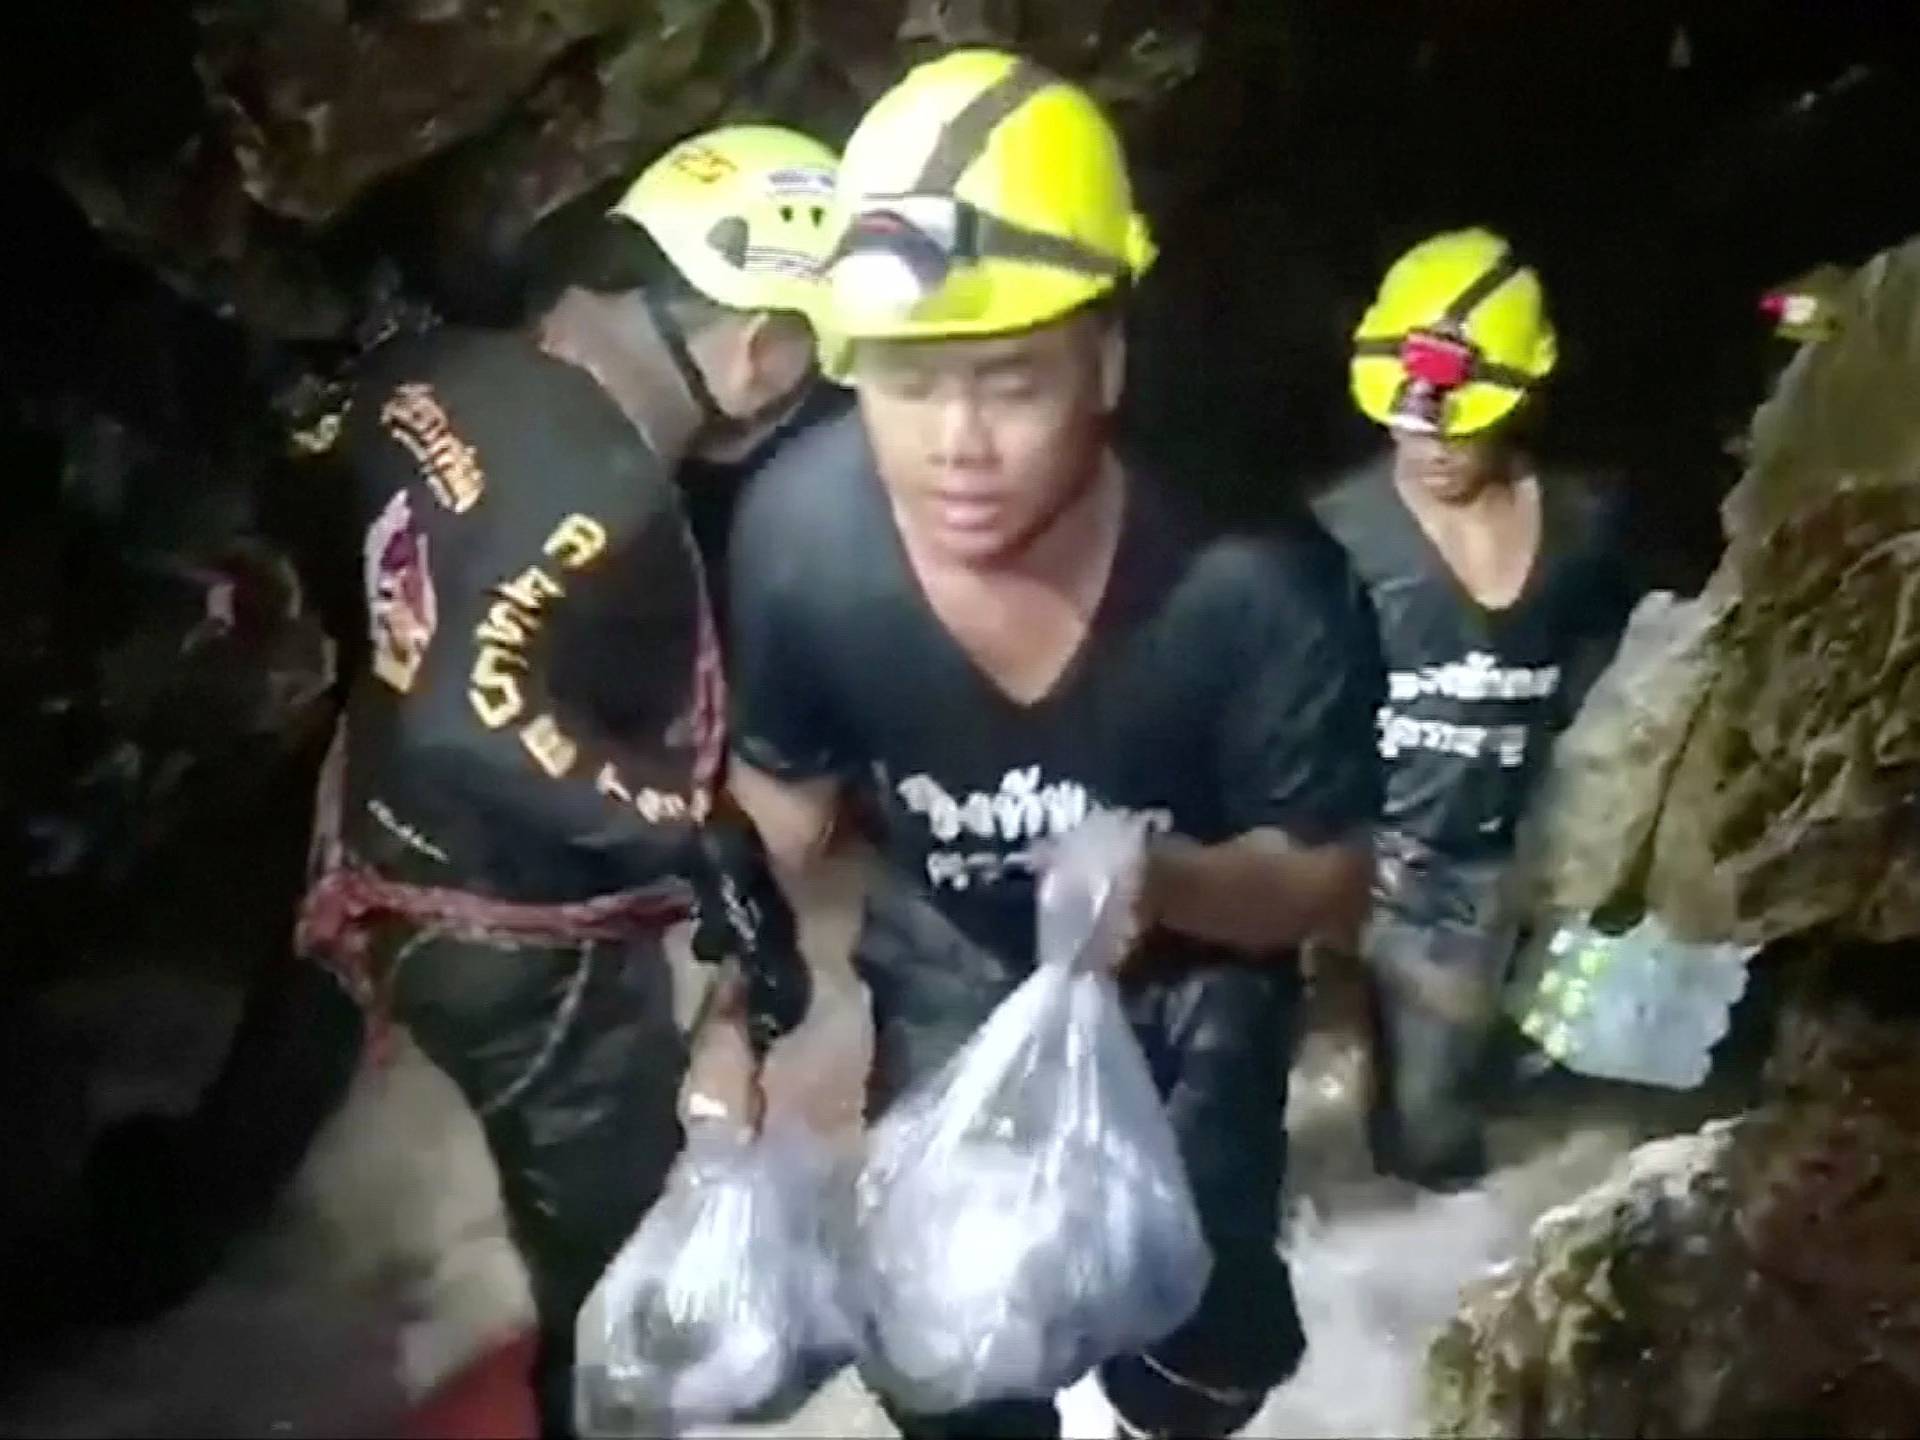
x: 716, y: 251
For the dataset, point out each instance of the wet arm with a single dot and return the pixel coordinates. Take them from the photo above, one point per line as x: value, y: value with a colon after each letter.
x: 793, y: 824
x: 1260, y: 891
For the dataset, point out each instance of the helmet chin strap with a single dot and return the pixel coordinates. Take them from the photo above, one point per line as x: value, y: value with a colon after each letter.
x: 717, y: 423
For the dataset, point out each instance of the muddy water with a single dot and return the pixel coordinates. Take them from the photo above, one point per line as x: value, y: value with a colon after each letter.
x: 387, y: 1265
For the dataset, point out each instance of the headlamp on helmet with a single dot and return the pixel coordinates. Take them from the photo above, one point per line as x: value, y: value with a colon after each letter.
x: 899, y: 251
x: 1441, y: 361
x: 1436, y: 365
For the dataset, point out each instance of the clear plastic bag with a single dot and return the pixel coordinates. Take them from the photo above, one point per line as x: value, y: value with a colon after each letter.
x: 728, y: 1297
x: 1026, y: 1214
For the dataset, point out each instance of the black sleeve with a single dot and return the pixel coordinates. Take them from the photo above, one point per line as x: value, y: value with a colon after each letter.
x: 1297, y: 747
x: 582, y: 762
x: 783, y: 717
x: 563, y: 580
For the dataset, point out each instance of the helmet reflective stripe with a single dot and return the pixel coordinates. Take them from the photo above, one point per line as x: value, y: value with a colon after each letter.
x: 781, y: 262
x: 964, y: 136
x: 1479, y: 292
x: 812, y: 182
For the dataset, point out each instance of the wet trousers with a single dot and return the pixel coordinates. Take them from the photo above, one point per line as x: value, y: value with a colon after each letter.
x: 1437, y: 951
x: 571, y: 1059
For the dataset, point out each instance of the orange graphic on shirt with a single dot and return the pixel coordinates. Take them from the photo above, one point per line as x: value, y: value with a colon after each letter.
x: 415, y: 418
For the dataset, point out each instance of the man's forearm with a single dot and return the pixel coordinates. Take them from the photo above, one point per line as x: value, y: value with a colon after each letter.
x: 1258, y: 892
x: 758, y: 848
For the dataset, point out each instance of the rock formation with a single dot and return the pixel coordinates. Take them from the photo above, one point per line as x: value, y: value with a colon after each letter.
x: 1751, y: 767
x: 1759, y: 1278
x: 479, y: 121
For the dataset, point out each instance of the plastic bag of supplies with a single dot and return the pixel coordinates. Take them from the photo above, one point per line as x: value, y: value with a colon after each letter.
x: 1026, y: 1215
x: 727, y: 1301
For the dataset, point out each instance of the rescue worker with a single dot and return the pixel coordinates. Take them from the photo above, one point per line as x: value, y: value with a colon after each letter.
x: 1498, y: 595
x: 520, y: 800
x: 962, y: 611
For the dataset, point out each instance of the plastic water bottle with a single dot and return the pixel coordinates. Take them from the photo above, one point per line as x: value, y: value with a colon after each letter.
x: 1652, y: 1038
x: 1641, y: 1007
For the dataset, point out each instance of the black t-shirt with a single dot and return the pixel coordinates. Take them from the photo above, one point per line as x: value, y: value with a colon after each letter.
x: 1474, y: 696
x: 539, y: 718
x: 1224, y: 685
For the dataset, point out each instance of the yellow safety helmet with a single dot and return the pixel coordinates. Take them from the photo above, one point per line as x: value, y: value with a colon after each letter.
x: 1457, y: 337
x: 743, y: 212
x: 982, y: 194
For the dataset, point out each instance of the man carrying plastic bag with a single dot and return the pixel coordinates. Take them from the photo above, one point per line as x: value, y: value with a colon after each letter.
x: 963, y: 610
